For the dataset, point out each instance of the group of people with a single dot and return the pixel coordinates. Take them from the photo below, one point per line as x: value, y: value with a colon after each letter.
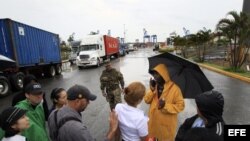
x: 30, y: 112
x: 26, y: 120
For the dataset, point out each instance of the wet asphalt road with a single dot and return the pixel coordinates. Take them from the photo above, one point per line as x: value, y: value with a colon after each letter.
x: 134, y: 67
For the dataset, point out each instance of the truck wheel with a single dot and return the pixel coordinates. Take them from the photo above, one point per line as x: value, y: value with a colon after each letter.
x: 51, y: 72
x: 58, y: 69
x: 71, y: 62
x: 17, y: 81
x: 4, y: 86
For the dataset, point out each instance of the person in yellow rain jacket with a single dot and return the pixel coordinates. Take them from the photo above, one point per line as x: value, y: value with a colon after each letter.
x: 166, y: 101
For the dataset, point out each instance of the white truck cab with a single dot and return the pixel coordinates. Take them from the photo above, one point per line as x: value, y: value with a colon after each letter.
x: 91, y: 51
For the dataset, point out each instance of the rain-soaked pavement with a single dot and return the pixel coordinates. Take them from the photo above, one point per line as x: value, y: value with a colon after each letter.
x: 134, y: 67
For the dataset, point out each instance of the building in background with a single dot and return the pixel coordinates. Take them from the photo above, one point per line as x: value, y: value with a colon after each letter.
x: 246, y: 6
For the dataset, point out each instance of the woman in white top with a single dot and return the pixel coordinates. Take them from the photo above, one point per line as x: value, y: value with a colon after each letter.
x: 13, y: 121
x: 132, y: 121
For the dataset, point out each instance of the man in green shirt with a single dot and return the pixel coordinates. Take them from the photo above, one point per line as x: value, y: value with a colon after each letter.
x: 35, y: 113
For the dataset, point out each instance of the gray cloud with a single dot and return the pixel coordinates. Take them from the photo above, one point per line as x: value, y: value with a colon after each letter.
x: 159, y: 17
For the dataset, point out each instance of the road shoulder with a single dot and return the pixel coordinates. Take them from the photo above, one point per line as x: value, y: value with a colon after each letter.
x: 242, y: 78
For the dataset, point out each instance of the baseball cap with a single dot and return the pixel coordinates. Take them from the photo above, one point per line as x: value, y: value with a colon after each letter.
x: 33, y: 88
x: 79, y: 92
x: 9, y: 116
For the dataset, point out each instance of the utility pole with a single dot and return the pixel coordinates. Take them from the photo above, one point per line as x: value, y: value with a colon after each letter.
x: 246, y: 9
x: 124, y: 32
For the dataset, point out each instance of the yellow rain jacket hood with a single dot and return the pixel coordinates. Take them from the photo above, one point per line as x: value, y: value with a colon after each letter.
x: 163, y: 122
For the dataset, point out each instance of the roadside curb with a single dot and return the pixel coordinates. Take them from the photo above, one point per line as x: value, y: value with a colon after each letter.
x: 242, y: 78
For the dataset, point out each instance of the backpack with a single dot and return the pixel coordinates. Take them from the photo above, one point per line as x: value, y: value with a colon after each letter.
x: 61, y: 123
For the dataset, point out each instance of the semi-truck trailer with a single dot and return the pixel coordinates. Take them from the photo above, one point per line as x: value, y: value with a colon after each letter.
x: 34, y: 51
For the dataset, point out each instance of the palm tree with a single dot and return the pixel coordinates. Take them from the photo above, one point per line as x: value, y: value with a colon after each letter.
x: 204, y: 36
x: 237, y: 30
x: 198, y: 41
x: 180, y: 44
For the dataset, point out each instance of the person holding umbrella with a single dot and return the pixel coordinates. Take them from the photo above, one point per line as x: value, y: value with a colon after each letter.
x: 166, y: 101
x: 186, y: 74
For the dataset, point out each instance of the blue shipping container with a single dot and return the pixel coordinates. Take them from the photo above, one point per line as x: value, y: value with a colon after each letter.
x: 27, y: 45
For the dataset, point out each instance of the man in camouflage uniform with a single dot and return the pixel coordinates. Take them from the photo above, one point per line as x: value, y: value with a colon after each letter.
x: 111, y: 79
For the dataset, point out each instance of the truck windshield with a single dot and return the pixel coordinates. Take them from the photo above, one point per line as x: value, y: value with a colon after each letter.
x: 88, y: 47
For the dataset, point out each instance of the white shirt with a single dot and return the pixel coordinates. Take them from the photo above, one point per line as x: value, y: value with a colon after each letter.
x: 133, y: 123
x: 199, y: 122
x: 15, y: 138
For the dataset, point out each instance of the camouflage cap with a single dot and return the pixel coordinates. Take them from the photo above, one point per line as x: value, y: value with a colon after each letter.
x: 107, y: 63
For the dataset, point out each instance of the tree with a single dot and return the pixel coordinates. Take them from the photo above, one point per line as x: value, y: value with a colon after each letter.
x: 237, y: 31
x: 65, y: 50
x: 180, y: 43
x: 204, y: 36
x: 63, y: 43
x: 71, y: 37
x: 200, y: 41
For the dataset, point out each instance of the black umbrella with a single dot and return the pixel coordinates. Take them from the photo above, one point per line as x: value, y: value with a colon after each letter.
x: 6, y: 62
x: 186, y: 74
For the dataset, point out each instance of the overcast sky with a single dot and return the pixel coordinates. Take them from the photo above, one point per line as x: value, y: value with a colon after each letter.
x: 160, y: 17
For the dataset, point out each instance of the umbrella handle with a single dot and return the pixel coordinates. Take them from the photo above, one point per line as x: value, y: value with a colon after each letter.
x: 152, y: 84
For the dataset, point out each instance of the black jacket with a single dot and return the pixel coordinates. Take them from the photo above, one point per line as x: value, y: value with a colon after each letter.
x: 210, y: 104
x: 217, y: 128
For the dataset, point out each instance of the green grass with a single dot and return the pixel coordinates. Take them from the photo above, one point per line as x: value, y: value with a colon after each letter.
x: 214, y: 65
x: 239, y: 72
x: 166, y: 50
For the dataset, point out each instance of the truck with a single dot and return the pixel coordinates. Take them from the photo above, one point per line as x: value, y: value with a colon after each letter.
x: 131, y: 47
x: 34, y: 51
x: 95, y: 49
x: 74, y: 50
x: 123, y: 49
